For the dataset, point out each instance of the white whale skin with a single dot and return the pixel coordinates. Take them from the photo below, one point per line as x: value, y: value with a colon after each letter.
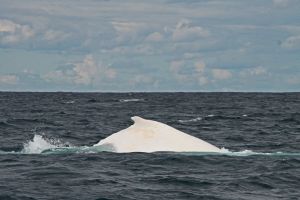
x: 151, y: 136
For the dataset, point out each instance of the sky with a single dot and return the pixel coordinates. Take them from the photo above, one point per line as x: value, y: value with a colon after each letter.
x: 157, y: 45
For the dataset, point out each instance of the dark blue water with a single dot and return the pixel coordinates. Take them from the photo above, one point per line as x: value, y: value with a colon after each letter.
x: 260, y: 131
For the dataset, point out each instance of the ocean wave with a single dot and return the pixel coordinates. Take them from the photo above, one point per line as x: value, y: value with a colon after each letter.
x: 131, y: 100
x: 210, y: 117
x: 5, y: 124
x: 70, y: 102
x: 222, y: 117
x: 242, y: 153
x: 190, y: 120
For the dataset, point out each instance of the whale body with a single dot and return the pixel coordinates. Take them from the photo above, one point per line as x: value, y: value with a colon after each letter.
x: 151, y: 136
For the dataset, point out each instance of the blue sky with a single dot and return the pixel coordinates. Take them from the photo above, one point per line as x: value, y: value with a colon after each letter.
x: 157, y: 45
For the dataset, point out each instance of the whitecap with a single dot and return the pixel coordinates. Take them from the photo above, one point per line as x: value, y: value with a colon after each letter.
x: 70, y: 102
x: 190, y: 120
x: 130, y: 100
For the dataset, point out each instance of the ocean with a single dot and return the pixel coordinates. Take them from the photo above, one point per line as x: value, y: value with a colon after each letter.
x: 46, y: 146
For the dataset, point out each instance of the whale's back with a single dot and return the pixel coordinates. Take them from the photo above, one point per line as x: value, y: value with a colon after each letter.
x: 150, y: 136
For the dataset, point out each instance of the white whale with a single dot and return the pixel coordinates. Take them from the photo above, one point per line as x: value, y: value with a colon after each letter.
x: 151, y: 136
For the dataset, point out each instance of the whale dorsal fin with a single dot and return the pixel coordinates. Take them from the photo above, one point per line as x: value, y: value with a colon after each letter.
x: 150, y: 136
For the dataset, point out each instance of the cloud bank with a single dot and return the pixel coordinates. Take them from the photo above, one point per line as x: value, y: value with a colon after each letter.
x: 150, y: 45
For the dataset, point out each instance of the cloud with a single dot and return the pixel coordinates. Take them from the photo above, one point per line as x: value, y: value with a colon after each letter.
x: 189, y: 72
x: 293, y: 80
x: 280, y: 3
x: 87, y: 72
x: 53, y: 35
x: 154, y: 37
x: 221, y: 74
x: 125, y: 27
x: 202, y: 80
x: 258, y: 71
x: 176, y: 65
x: 141, y: 78
x: 7, y: 26
x: 127, y: 31
x: 292, y: 42
x: 254, y: 71
x: 8, y: 79
x: 184, y: 31
x: 110, y: 73
x: 166, y: 43
x: 240, y: 27
x: 199, y: 68
x: 59, y: 76
x: 176, y: 68
x: 11, y: 32
x: 293, y: 29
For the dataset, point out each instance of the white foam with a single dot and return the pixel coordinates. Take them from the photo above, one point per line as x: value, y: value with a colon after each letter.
x: 130, y: 100
x: 151, y: 136
x: 190, y: 120
x: 245, y: 152
x: 39, y: 144
x: 70, y: 102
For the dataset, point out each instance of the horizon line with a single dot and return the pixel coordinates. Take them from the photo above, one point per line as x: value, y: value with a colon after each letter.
x: 170, y: 91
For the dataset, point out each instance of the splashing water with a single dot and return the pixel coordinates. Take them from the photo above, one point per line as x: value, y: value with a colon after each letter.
x: 39, y: 144
x: 43, y: 145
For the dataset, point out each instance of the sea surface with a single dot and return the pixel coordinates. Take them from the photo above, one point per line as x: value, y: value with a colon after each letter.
x: 46, y: 146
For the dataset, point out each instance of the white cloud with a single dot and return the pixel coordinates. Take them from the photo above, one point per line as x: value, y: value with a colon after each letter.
x: 59, y: 76
x: 141, y: 78
x: 221, y: 74
x: 127, y: 31
x: 13, y: 33
x: 110, y: 73
x: 199, y: 69
x: 154, y: 37
x: 202, y: 80
x: 176, y: 67
x: 86, y: 72
x: 236, y: 27
x: 293, y: 80
x: 7, y: 26
x: 293, y: 29
x: 8, y: 79
x: 185, y: 31
x: 52, y: 35
x: 125, y: 27
x: 197, y: 74
x: 255, y: 71
x: 199, y: 66
x: 280, y: 3
x: 292, y: 42
x: 258, y: 71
